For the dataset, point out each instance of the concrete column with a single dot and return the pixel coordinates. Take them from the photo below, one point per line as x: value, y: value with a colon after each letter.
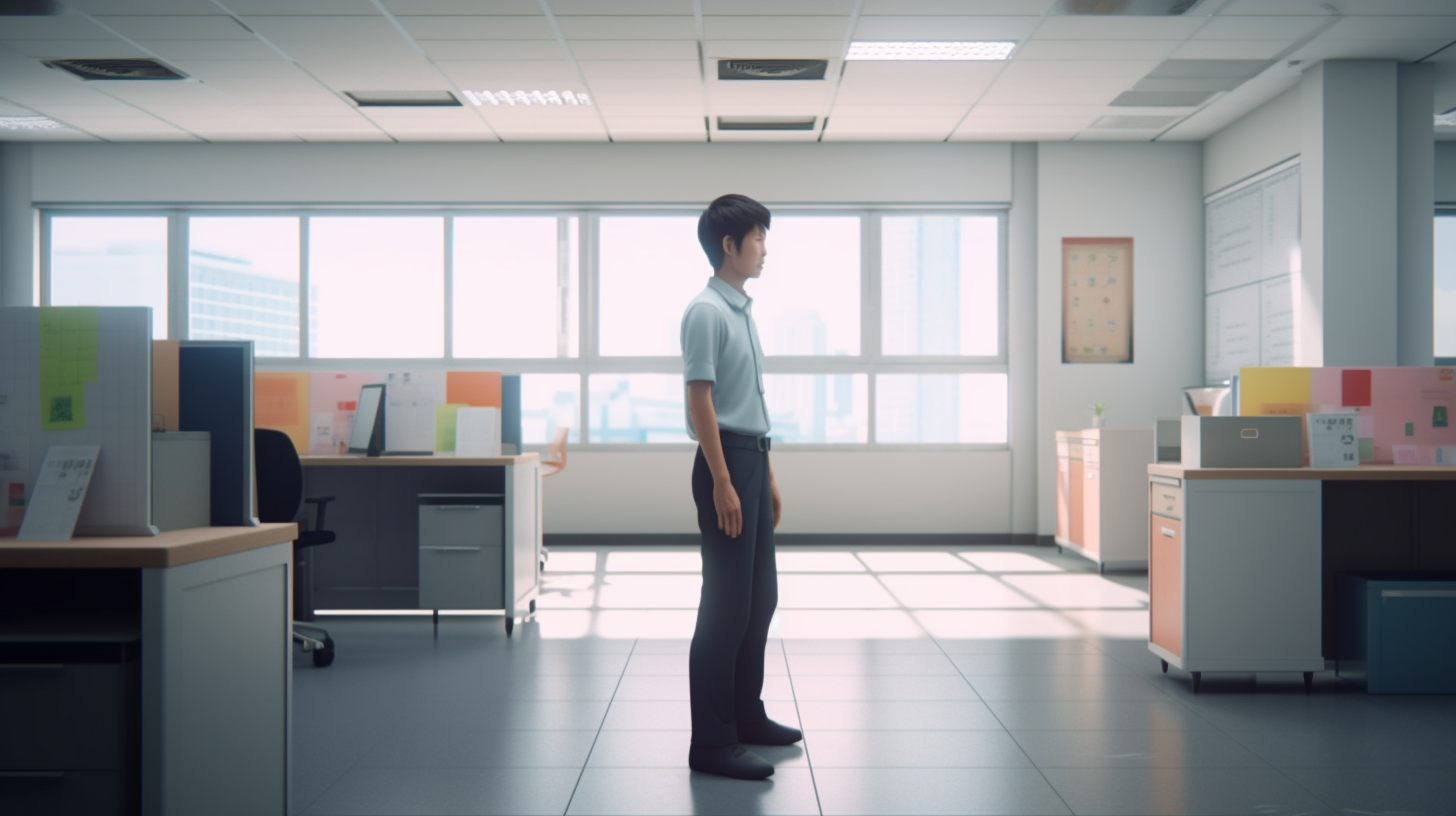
x: 1416, y: 162
x: 19, y: 227
x: 1021, y: 336
x: 1348, y: 309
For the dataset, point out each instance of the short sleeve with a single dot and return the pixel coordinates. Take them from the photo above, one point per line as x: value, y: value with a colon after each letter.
x: 702, y: 338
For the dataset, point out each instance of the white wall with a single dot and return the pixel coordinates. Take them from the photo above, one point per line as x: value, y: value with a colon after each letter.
x: 1263, y: 138
x: 1150, y: 192
x: 633, y: 492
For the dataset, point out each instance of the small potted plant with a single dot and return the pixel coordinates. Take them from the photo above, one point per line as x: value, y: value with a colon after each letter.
x: 1099, y: 409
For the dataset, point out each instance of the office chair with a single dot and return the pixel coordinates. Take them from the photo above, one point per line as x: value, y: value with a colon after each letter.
x: 555, y: 459
x: 280, y: 495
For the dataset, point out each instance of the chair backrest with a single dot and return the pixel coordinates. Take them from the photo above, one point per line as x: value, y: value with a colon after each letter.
x: 280, y: 476
x: 556, y: 453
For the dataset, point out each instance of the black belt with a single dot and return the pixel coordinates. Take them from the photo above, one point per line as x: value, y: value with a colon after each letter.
x: 733, y: 439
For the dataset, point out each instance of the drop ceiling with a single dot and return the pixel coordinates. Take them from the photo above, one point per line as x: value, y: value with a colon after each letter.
x: 281, y: 70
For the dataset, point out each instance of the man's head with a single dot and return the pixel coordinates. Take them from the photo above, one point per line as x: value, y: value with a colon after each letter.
x: 723, y: 228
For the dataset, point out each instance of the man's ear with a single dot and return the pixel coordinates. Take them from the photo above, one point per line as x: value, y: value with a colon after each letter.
x: 729, y: 245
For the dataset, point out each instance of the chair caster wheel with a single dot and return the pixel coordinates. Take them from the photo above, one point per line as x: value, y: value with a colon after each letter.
x: 1165, y: 667
x: 1197, y: 676
x: 325, y: 656
x: 510, y: 624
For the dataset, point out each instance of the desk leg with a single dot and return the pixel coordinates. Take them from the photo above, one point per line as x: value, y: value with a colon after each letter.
x: 217, y: 685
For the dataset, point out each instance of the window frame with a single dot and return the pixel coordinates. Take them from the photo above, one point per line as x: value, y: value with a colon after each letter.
x: 1442, y: 211
x: 870, y: 361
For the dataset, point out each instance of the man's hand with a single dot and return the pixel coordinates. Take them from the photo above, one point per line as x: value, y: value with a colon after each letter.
x: 730, y: 510
x: 778, y: 504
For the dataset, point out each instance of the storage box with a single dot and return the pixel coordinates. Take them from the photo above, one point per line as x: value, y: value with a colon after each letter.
x: 181, y: 480
x: 1397, y: 631
x: 1241, y: 442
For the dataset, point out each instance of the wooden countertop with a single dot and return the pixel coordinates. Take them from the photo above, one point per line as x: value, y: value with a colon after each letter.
x: 164, y: 550
x: 438, y: 460
x: 1364, y: 473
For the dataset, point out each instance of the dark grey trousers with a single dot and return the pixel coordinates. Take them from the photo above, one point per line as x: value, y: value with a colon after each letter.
x: 740, y: 593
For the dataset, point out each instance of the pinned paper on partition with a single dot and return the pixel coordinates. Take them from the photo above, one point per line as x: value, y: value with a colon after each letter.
x: 280, y: 401
x: 1355, y: 387
x: 445, y: 424
x: 1263, y: 389
x: 68, y: 349
x: 477, y: 432
x: 478, y: 389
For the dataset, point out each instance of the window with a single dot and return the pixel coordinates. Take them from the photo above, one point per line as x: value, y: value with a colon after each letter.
x: 1445, y: 288
x: 243, y: 282
x: 376, y: 287
x: 878, y: 327
x: 110, y: 261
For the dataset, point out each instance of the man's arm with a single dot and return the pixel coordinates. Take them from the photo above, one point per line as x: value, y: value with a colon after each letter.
x: 778, y: 503
x: 705, y: 425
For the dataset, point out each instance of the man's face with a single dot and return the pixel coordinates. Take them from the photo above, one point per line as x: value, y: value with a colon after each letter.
x: 751, y: 252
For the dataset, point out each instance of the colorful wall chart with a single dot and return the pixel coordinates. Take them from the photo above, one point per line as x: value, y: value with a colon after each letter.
x: 1097, y: 300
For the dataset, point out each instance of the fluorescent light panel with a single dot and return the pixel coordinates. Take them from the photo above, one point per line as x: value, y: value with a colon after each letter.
x: 929, y: 50
x: 30, y: 123
x: 527, y: 98
x: 403, y: 99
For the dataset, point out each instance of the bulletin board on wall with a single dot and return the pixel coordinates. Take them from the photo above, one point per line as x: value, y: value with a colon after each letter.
x: 1097, y: 300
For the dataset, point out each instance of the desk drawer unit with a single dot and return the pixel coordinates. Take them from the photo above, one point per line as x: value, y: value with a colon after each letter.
x: 460, y: 552
x: 1165, y: 499
x: 1165, y: 583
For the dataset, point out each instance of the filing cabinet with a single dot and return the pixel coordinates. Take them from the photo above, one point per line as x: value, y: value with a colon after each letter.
x: 1101, y: 474
x: 461, y: 542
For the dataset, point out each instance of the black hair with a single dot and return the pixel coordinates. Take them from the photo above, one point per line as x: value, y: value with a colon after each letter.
x: 732, y: 215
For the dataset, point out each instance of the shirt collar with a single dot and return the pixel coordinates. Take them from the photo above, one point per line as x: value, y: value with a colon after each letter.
x: 735, y: 298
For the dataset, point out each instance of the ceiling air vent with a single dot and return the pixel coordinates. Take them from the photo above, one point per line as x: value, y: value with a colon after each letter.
x: 1161, y: 99
x: 772, y: 69
x: 1140, y: 8
x: 1134, y: 122
x: 127, y: 69
x: 766, y: 122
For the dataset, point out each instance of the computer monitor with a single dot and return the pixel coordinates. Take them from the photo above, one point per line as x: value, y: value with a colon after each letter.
x: 367, y: 435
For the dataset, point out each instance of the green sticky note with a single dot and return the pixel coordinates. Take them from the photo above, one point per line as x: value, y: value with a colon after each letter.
x: 1367, y: 448
x: 62, y: 406
x: 1439, y: 418
x: 445, y: 416
x: 1410, y: 429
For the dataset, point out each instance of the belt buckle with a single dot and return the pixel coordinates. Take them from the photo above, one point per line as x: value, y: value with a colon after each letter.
x: 762, y: 443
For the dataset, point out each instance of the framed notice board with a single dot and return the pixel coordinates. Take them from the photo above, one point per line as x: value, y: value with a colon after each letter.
x: 1096, y: 300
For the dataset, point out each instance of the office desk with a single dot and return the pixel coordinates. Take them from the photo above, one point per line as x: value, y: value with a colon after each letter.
x: 208, y: 610
x: 374, y: 563
x: 1242, y: 562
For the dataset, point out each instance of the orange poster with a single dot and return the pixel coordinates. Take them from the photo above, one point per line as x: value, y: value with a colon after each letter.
x: 478, y: 389
x: 1096, y: 300
x: 280, y: 400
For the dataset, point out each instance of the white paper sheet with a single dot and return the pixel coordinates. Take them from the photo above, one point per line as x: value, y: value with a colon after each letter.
x: 59, y: 493
x: 477, y: 432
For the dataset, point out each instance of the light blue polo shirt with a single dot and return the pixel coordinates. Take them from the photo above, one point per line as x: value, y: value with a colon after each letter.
x: 720, y: 344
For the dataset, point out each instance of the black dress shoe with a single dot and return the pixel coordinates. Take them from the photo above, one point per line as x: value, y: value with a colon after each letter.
x: 729, y: 760
x: 768, y: 732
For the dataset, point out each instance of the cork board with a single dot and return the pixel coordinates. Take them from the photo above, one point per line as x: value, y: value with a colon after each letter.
x: 1097, y: 279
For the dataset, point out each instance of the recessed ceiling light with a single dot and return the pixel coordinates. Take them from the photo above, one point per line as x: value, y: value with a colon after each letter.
x: 527, y: 98
x: 30, y: 123
x: 403, y: 99
x: 766, y: 122
x: 930, y: 50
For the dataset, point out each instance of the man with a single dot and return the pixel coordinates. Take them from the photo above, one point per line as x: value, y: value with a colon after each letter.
x: 737, y: 499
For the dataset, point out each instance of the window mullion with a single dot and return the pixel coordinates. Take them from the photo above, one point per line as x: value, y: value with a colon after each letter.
x: 449, y: 257
x: 589, y: 249
x: 870, y: 312
x: 43, y: 297
x: 178, y: 277
x: 304, y: 335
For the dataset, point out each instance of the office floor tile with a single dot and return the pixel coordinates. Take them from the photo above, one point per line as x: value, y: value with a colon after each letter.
x: 1078, y: 663
x: 896, y: 715
x: 1017, y: 646
x: 1136, y: 749
x: 676, y: 715
x: 681, y: 792
x: 1095, y: 715
x: 1352, y: 748
x: 483, y: 748
x: 882, y: 687
x: 665, y: 687
x: 678, y: 663
x: 448, y: 792
x: 869, y: 664
x: 669, y: 749
x: 506, y: 715
x: 1406, y: 791
x: 844, y: 646
x: 1186, y: 791
x: 1063, y: 687
x: 925, y: 792
x: 915, y: 749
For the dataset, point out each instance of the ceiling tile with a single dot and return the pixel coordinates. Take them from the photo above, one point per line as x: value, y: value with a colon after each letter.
x: 628, y: 111
x: 991, y: 7
x: 207, y: 70
x: 506, y: 7
x: 769, y: 8
x: 197, y: 27
x: 261, y: 136
x: 493, y: 49
x: 762, y: 109
x: 629, y: 7
x: 144, y: 7
x: 478, y: 28
x: 1393, y: 28
x: 1080, y: 112
x: 308, y: 8
x: 910, y: 109
x: 213, y: 49
x: 768, y: 93
x: 958, y: 27
x: 1118, y: 28
x: 1320, y: 8
x: 778, y: 28
x: 1259, y: 28
x: 634, y: 49
x: 177, y: 94
x: 1128, y: 71
x: 1399, y: 50
x: 908, y: 82
x: 505, y: 75
x: 767, y: 136
x: 371, y: 135
x: 666, y: 85
x: 773, y: 49
x: 1096, y: 49
x: 111, y: 109
x: 74, y: 49
x: 676, y: 69
x: 1229, y: 49
x: 656, y: 124
x: 1040, y: 92
x: 65, y: 135
x: 358, y: 31
x: 635, y: 98
x: 53, y: 28
x: 884, y: 128
x: 628, y: 28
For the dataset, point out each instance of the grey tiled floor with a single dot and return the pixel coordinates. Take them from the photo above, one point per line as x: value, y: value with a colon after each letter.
x: 995, y: 680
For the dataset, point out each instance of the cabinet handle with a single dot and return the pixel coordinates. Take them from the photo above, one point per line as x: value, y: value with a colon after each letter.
x: 1249, y: 433
x: 451, y: 549
x: 1167, y: 531
x: 454, y: 506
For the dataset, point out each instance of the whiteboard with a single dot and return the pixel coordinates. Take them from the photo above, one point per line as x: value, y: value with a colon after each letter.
x: 113, y: 410
x: 1251, y: 276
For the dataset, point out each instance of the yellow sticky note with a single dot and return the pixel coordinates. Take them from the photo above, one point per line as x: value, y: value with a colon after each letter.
x: 445, y: 427
x: 1272, y: 386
